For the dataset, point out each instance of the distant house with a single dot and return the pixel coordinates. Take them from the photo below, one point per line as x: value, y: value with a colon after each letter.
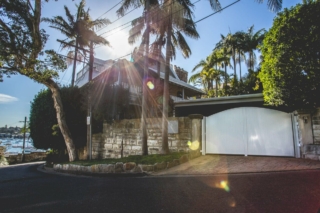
x: 129, y: 74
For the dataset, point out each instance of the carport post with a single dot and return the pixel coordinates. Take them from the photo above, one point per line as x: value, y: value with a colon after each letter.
x: 196, y: 134
x: 295, y: 129
x: 204, y: 139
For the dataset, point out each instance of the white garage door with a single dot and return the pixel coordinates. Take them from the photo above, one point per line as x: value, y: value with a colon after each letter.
x: 250, y: 131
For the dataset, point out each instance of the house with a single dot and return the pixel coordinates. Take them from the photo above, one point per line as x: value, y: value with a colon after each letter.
x: 129, y: 75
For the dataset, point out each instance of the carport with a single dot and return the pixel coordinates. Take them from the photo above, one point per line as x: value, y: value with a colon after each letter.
x: 243, y: 125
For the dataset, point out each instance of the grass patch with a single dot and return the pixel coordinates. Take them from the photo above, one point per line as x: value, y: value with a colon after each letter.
x: 138, y: 159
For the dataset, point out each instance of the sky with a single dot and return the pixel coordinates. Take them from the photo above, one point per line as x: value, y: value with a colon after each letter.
x: 17, y: 92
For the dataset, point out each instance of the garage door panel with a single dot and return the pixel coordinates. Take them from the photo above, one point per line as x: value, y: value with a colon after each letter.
x: 225, y: 129
x: 269, y: 132
x: 250, y: 131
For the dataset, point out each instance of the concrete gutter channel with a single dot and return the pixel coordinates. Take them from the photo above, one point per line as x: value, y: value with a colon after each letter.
x: 203, y: 165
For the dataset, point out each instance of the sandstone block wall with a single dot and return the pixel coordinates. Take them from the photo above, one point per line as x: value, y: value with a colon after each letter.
x: 125, y: 136
x: 2, y: 150
x: 316, y: 127
x: 34, y: 156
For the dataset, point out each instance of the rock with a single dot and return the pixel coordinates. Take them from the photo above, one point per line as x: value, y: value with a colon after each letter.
x: 160, y: 166
x: 65, y: 167
x: 95, y: 168
x: 183, y: 159
x: 129, y: 166
x: 176, y: 162
x: 147, y: 168
x: 194, y: 154
x: 108, y: 168
x: 72, y: 167
x: 57, y: 167
x: 136, y: 169
x: 170, y: 165
x: 82, y: 168
x: 118, y: 167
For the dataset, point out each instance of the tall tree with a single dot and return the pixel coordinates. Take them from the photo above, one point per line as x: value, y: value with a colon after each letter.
x: 290, y: 72
x: 147, y: 4
x: 210, y: 72
x: 160, y: 17
x: 22, y: 42
x: 229, y: 43
x: 177, y: 18
x: 252, y: 41
x: 240, y: 49
x: 79, y: 30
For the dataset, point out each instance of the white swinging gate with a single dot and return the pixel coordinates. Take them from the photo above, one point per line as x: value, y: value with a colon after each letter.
x: 250, y: 131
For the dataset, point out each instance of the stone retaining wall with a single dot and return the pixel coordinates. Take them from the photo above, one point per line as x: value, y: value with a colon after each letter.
x: 125, y: 137
x: 34, y: 156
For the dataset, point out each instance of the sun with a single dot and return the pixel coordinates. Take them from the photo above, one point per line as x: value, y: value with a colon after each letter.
x: 119, y: 46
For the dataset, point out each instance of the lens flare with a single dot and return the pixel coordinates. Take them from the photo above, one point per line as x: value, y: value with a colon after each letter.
x: 194, y: 145
x: 150, y: 85
x: 224, y: 185
x: 232, y: 203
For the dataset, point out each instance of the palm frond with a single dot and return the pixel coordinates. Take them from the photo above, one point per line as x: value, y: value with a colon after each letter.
x: 215, y: 5
x: 273, y: 5
x: 69, y: 16
x: 183, y: 45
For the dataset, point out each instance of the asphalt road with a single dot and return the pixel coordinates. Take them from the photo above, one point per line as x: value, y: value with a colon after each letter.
x: 24, y: 189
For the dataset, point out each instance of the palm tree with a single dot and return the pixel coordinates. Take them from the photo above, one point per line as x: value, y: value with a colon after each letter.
x: 210, y: 71
x: 229, y: 43
x: 240, y: 49
x: 167, y: 22
x: 204, y: 74
x: 79, y: 30
x: 176, y: 18
x: 225, y: 63
x: 252, y: 41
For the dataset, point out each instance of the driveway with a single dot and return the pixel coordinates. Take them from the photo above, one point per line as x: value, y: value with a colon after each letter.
x: 222, y: 164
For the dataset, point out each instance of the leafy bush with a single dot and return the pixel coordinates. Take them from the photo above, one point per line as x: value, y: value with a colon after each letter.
x: 44, y: 130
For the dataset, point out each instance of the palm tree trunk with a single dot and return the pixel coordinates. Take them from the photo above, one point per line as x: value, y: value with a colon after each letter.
x: 144, y: 87
x: 225, y: 78
x: 61, y: 118
x: 251, y: 61
x: 216, y: 88
x: 75, y: 62
x: 234, y: 63
x: 240, y: 67
x: 165, y: 145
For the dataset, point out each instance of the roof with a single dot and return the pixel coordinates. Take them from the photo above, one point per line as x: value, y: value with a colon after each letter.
x: 127, y: 67
x: 181, y: 83
x: 210, y: 106
x: 221, y: 100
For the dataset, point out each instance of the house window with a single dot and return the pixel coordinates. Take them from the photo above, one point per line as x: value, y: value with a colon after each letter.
x: 179, y: 94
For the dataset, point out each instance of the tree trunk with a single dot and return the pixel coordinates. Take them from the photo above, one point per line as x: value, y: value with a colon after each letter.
x: 225, y: 78
x: 216, y: 88
x: 144, y: 87
x: 75, y: 62
x: 234, y: 63
x: 165, y: 146
x: 240, y: 67
x: 61, y: 118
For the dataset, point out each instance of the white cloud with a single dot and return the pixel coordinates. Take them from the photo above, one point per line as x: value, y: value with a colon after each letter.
x: 7, y: 98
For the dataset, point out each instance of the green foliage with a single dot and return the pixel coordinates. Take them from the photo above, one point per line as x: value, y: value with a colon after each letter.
x: 3, y: 161
x: 108, y: 103
x: 138, y: 159
x: 43, y: 122
x: 291, y: 61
